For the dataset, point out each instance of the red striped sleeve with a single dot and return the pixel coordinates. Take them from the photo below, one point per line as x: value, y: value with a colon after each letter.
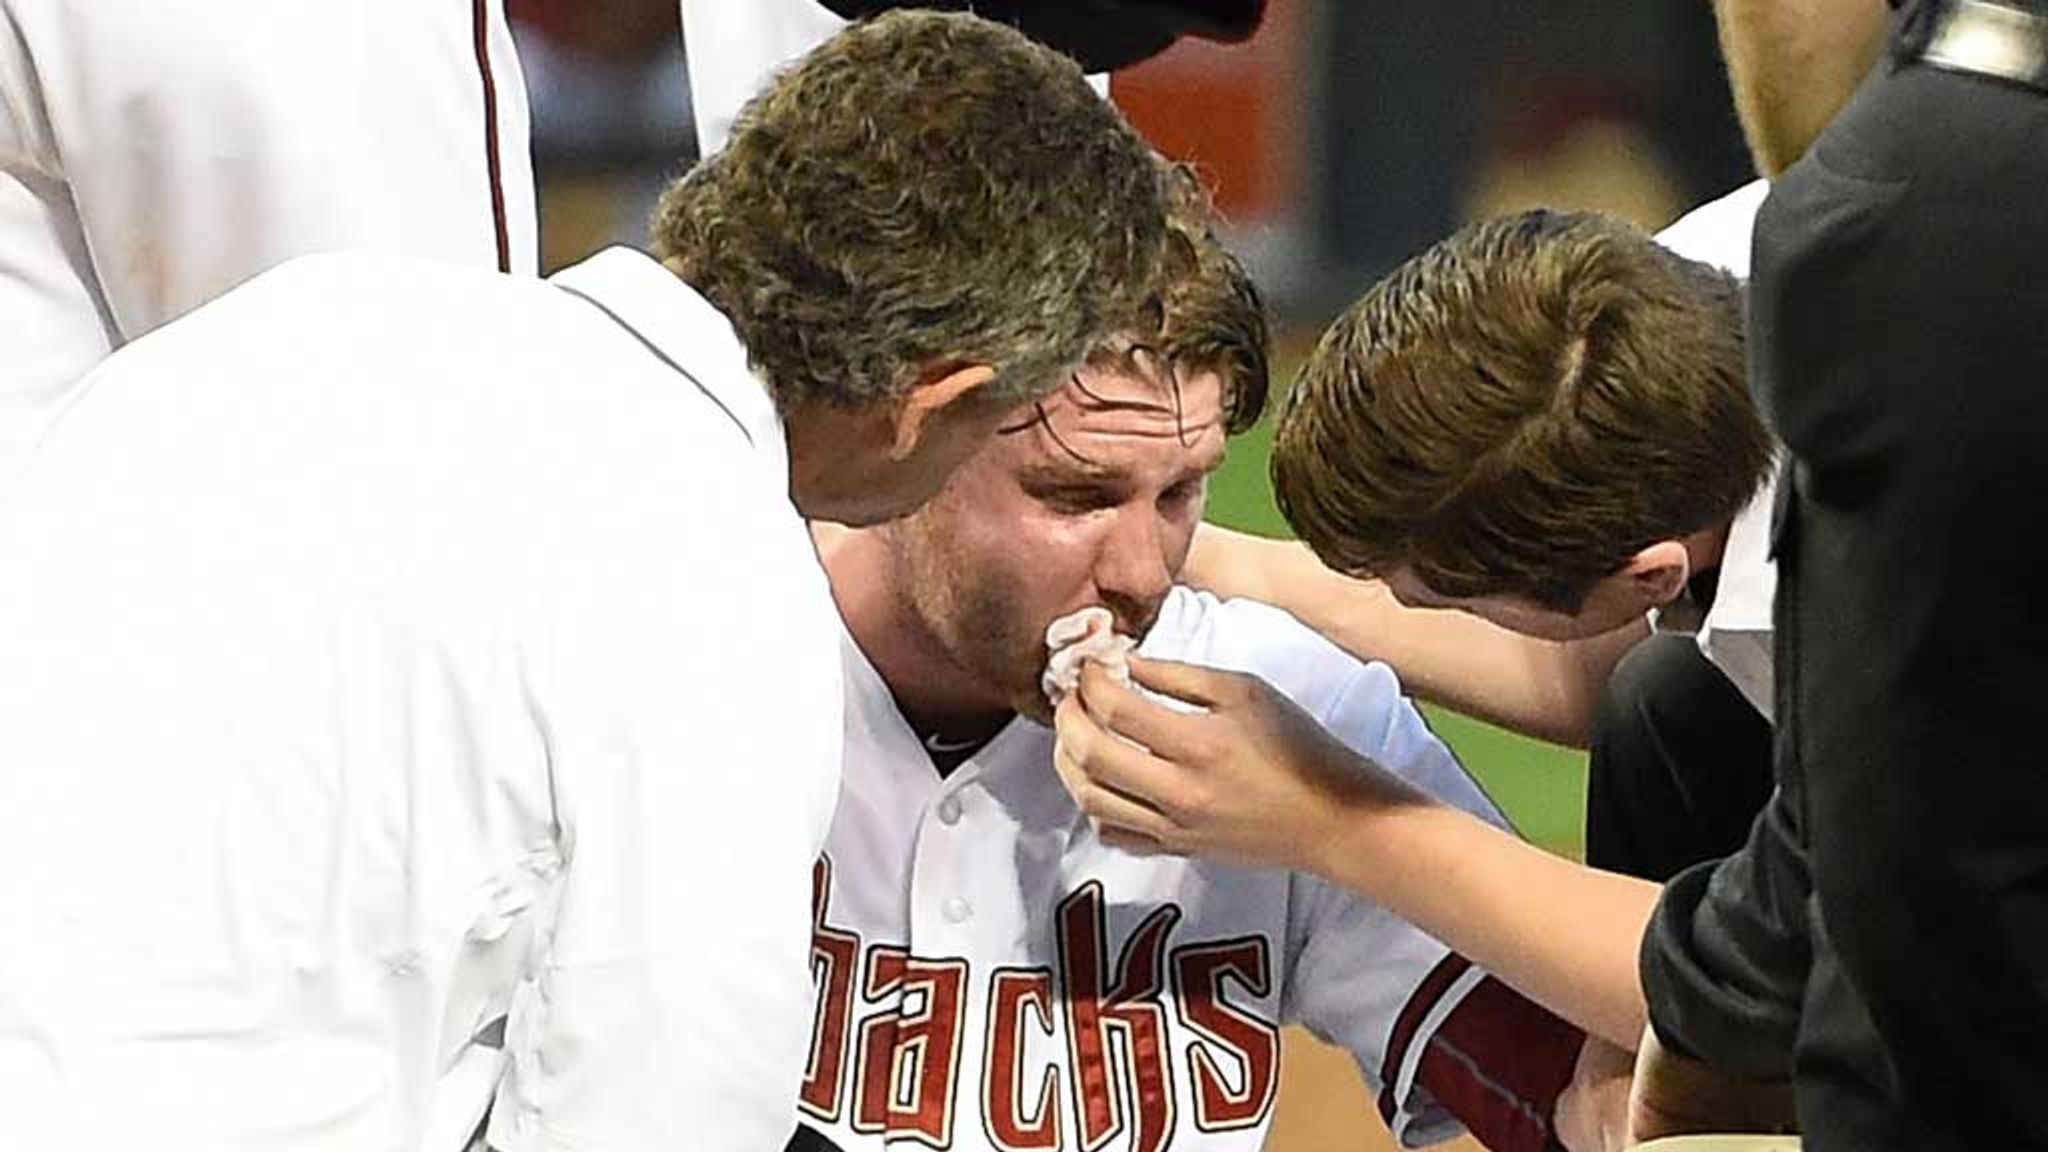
x: 1498, y: 1061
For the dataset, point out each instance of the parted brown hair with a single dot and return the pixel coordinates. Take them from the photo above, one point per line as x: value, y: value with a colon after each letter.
x: 1521, y: 409
x: 923, y: 191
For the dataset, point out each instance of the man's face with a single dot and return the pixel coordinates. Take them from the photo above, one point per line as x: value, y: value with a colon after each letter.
x: 1095, y: 504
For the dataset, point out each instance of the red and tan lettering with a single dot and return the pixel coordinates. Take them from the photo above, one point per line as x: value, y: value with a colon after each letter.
x: 1250, y: 1042
x: 1131, y: 1009
x: 835, y: 956
x: 1013, y: 994
x: 910, y: 1053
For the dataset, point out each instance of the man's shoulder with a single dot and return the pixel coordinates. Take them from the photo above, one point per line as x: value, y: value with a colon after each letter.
x: 380, y: 274
x: 1361, y: 702
x: 377, y: 319
x: 1243, y: 635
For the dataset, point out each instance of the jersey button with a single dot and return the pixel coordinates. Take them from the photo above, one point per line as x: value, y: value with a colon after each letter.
x: 949, y: 811
x: 956, y: 910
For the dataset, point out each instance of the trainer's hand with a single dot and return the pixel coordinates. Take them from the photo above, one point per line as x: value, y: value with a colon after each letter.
x: 1675, y: 1095
x: 1252, y: 779
x: 1592, y: 1112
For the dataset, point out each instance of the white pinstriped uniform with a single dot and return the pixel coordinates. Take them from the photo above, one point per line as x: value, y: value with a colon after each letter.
x: 993, y: 977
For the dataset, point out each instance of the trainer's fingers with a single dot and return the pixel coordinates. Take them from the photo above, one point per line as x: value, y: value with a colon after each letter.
x: 1204, y: 687
x: 1126, y: 712
x: 1135, y: 843
x: 1088, y: 750
x: 1099, y: 800
x: 1074, y: 733
x: 1112, y: 809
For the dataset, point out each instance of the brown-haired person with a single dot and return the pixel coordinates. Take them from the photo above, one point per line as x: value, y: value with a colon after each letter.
x: 398, y: 656
x: 1544, y: 422
x: 1541, y: 422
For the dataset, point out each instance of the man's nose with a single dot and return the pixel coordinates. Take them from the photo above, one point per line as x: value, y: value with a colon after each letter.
x: 1132, y: 572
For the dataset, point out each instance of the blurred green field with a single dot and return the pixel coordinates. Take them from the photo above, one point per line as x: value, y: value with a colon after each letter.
x: 1541, y: 786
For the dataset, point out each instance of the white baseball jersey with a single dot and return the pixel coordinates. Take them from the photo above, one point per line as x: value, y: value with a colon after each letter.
x: 386, y: 650
x: 991, y: 976
x: 155, y: 153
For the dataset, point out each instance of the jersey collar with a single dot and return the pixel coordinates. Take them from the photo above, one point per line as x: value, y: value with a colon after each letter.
x: 1749, y: 576
x: 682, y: 328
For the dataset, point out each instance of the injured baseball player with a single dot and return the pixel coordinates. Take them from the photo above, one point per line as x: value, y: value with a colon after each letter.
x: 991, y: 972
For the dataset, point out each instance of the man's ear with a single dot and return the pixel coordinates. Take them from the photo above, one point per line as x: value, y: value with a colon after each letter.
x: 1658, y: 573
x: 940, y: 390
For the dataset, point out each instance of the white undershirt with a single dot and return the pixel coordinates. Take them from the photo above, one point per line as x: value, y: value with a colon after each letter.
x: 1735, y: 633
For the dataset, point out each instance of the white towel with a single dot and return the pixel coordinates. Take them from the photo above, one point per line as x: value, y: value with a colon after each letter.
x: 1089, y: 634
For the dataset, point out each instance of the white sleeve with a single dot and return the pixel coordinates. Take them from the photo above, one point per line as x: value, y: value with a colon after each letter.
x: 1442, y: 1045
x: 733, y: 48
x: 24, y: 132
x: 1362, y: 977
x: 54, y: 322
x: 1372, y: 716
x: 205, y: 141
x: 156, y: 153
x: 693, y: 723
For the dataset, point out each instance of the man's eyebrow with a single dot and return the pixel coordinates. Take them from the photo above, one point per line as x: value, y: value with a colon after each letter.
x: 1079, y: 474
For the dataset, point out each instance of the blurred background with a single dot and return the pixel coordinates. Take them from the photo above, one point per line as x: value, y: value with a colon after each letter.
x: 1340, y: 140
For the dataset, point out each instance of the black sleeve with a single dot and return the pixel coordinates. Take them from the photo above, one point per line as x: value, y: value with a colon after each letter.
x: 1726, y: 957
x: 1103, y: 35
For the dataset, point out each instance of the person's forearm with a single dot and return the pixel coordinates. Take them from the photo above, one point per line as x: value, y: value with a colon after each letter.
x: 1540, y: 689
x: 1793, y: 64
x: 1562, y: 934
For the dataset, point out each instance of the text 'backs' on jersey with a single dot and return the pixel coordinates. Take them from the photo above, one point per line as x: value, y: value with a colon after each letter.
x: 991, y: 976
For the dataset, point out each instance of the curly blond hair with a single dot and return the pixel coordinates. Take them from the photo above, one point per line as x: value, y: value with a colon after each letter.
x: 923, y: 191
